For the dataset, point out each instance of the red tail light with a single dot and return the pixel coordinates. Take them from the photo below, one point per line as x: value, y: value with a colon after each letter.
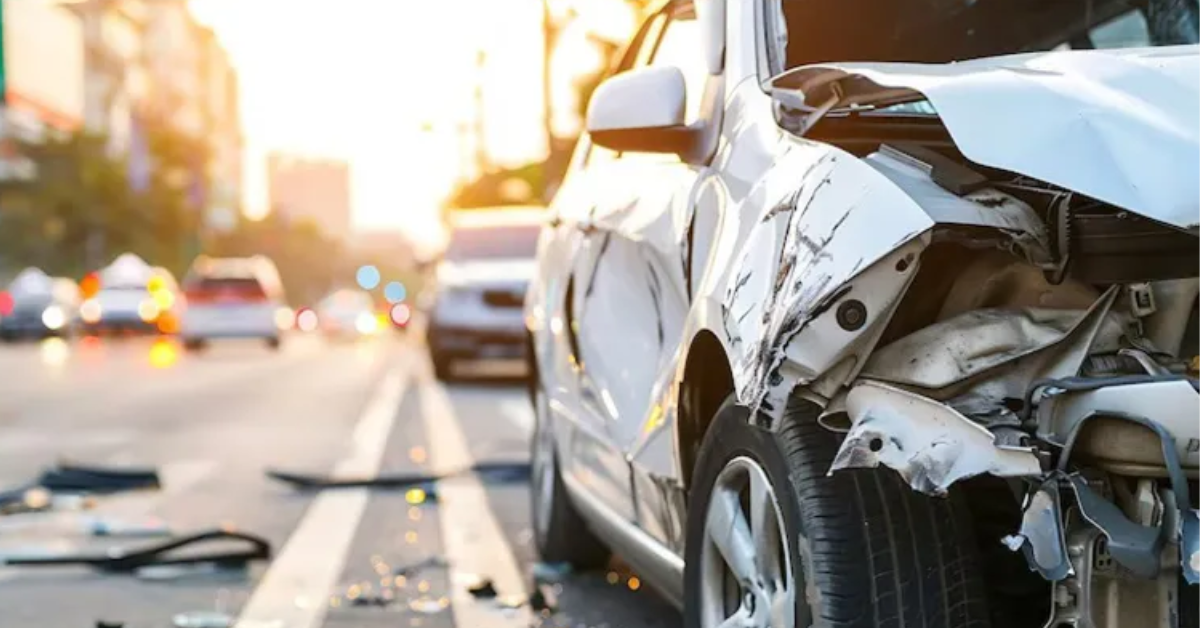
x: 225, y: 294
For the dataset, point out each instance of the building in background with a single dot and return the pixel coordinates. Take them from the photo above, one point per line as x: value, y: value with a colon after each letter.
x: 311, y: 189
x: 150, y: 62
x: 41, y: 78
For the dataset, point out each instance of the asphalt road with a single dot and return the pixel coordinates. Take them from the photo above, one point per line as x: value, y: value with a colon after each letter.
x: 212, y: 423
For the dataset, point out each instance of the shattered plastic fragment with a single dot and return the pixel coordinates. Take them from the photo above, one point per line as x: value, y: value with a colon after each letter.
x: 483, y: 589
x: 550, y: 572
x: 202, y: 619
x: 115, y: 527
x: 429, y: 606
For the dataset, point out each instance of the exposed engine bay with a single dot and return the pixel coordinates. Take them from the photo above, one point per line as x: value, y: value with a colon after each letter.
x: 1054, y: 368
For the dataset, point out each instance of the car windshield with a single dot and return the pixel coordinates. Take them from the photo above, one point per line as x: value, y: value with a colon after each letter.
x: 491, y: 243
x: 803, y: 32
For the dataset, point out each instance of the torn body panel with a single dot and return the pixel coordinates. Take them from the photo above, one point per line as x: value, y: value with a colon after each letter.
x: 929, y: 443
x: 837, y: 232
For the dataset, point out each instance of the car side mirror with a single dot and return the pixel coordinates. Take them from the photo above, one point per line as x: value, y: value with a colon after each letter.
x: 641, y: 111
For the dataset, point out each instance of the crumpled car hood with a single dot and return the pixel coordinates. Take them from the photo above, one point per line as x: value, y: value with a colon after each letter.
x: 1121, y: 126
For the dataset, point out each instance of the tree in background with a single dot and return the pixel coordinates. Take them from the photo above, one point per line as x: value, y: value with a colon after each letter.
x: 80, y: 211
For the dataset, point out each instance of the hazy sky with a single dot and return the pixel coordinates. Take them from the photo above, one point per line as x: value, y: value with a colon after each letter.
x: 362, y: 79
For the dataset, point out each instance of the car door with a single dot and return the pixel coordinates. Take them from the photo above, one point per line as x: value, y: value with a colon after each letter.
x: 630, y: 288
x: 573, y: 242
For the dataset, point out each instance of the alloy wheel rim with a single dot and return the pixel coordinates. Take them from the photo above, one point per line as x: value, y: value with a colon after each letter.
x: 746, y: 568
x: 543, y: 464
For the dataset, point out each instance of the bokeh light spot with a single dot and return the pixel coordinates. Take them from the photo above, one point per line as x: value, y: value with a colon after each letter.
x: 401, y: 314
x: 368, y: 277
x: 6, y: 303
x: 395, y: 292
x: 163, y: 354
x: 306, y: 320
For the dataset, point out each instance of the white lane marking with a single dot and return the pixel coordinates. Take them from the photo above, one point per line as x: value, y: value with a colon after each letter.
x: 471, y: 537
x: 308, y: 566
x: 517, y: 410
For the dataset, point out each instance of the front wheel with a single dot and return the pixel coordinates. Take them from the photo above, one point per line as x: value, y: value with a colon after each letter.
x: 772, y: 541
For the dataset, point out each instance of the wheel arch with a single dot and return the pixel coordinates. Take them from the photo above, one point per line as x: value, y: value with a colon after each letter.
x: 706, y: 383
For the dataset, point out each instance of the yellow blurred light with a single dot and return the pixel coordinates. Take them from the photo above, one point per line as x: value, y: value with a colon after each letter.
x: 415, y: 496
x: 307, y: 320
x: 55, y: 351
x: 155, y: 284
x: 53, y: 318
x: 284, y: 317
x: 90, y: 311
x: 163, y: 354
x: 366, y: 323
x: 634, y: 583
x: 147, y: 310
x: 164, y: 299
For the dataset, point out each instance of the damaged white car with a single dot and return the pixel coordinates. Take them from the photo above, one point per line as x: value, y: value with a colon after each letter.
x: 882, y: 314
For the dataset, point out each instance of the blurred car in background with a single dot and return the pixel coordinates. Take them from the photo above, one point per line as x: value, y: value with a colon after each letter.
x: 39, y: 306
x: 345, y: 313
x: 480, y: 286
x: 233, y: 298
x: 132, y: 296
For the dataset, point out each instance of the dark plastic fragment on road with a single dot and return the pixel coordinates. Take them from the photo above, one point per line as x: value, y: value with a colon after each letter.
x: 412, y: 569
x: 491, y: 473
x: 122, y: 560
x: 97, y: 479
x: 542, y: 600
x: 484, y: 589
x: 100, y: 623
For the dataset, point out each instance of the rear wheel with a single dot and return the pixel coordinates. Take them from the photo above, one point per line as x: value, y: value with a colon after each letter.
x: 194, y: 344
x: 773, y: 541
x: 443, y: 367
x: 274, y: 343
x: 559, y: 531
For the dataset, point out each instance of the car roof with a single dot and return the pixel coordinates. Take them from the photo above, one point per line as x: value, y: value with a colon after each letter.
x: 491, y: 217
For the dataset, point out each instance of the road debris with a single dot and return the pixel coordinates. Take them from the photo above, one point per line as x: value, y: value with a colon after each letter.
x: 551, y: 572
x: 77, y: 478
x: 491, y: 473
x: 122, y: 560
x: 483, y: 589
x: 429, y: 606
x: 151, y: 526
x: 202, y: 619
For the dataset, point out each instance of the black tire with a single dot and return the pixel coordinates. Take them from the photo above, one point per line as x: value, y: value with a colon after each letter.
x: 274, y: 343
x: 883, y: 556
x: 443, y: 367
x: 194, y: 344
x: 566, y: 538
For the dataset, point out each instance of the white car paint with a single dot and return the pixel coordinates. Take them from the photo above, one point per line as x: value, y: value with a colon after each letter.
x: 750, y: 240
x: 1118, y: 125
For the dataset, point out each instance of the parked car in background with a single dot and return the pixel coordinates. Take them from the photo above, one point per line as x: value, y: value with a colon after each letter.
x: 41, y: 306
x: 233, y: 298
x: 133, y: 296
x: 479, y: 286
x: 905, y: 340
x: 345, y: 313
